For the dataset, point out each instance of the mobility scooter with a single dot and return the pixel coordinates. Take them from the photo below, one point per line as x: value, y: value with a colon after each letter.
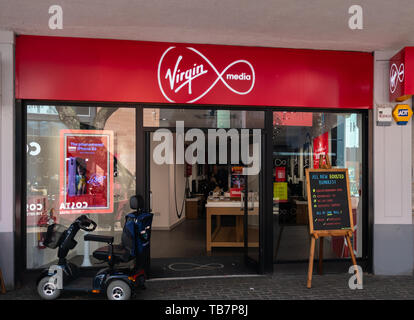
x: 118, y: 283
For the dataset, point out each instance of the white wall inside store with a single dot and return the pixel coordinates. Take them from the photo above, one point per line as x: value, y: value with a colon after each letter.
x: 163, y: 195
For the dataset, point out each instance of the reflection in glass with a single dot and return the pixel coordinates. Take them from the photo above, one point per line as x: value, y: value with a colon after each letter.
x: 80, y: 160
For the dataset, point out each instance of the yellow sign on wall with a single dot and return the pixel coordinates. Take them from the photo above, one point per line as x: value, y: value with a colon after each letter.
x: 280, y: 191
x: 402, y: 114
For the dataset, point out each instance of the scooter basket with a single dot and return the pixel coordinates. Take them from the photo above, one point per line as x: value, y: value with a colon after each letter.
x: 53, y: 235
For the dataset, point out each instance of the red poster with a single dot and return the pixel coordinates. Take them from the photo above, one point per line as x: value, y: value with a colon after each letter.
x: 237, y: 183
x: 280, y: 174
x: 86, y: 171
x: 320, y: 146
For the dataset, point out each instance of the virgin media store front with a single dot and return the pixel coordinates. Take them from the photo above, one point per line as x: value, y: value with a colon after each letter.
x: 215, y: 138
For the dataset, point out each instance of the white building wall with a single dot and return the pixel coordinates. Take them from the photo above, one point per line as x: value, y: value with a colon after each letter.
x: 393, y: 230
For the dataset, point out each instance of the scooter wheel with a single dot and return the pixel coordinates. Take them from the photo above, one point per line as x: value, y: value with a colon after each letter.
x: 47, y: 289
x: 118, y: 290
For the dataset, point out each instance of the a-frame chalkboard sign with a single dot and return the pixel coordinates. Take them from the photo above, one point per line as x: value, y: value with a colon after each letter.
x: 329, y: 209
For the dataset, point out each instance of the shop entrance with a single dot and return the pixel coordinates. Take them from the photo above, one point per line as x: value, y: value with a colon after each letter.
x: 206, y: 201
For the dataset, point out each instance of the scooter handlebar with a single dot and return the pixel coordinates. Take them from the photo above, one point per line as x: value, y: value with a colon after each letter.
x: 85, y: 223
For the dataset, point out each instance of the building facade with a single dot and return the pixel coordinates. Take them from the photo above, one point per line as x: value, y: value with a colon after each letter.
x: 77, y: 108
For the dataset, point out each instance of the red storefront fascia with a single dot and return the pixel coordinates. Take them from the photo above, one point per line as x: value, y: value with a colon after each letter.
x: 79, y: 69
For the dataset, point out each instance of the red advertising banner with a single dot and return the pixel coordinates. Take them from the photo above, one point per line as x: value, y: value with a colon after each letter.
x: 80, y: 69
x: 320, y: 146
x: 86, y: 171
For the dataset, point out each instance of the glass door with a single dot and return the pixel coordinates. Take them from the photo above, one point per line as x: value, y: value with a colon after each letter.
x: 200, y: 217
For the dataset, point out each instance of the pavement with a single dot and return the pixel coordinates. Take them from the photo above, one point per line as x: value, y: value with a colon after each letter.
x: 274, y: 286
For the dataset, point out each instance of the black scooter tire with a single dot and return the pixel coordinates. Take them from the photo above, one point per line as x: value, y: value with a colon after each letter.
x: 118, y: 290
x: 47, y: 291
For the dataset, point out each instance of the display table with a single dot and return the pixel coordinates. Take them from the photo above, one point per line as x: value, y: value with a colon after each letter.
x: 229, y: 236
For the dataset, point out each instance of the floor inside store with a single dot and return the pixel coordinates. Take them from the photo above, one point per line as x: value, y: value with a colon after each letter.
x: 181, y: 252
x: 187, y: 239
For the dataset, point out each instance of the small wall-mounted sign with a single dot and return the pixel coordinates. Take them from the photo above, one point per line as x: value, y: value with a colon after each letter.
x: 402, y: 114
x: 384, y: 116
x: 401, y: 72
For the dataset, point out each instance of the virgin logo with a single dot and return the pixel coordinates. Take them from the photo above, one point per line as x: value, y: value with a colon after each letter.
x: 96, y: 180
x: 185, y: 75
x: 396, y: 75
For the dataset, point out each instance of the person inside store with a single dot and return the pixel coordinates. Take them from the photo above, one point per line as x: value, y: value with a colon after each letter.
x: 219, y: 178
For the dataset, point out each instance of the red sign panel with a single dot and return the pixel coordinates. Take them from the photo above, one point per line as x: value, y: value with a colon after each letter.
x: 86, y: 171
x: 401, y: 75
x: 320, y: 147
x: 280, y: 174
x: 54, y: 68
x: 302, y: 119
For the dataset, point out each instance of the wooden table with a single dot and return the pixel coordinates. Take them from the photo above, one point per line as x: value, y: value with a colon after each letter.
x: 229, y: 236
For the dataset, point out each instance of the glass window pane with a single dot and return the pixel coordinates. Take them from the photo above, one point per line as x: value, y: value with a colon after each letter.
x: 80, y: 160
x: 299, y: 139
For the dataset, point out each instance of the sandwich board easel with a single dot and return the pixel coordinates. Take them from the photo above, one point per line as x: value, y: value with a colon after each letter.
x: 320, y: 234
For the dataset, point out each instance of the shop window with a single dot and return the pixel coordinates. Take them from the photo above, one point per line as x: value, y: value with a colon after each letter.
x: 299, y: 138
x: 80, y: 160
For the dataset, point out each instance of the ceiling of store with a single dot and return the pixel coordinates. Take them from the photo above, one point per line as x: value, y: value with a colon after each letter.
x: 316, y: 24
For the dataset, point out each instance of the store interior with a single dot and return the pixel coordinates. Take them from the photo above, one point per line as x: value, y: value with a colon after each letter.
x: 299, y: 138
x: 198, y: 226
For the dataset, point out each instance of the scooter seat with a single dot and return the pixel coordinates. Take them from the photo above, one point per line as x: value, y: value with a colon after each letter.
x: 119, y: 254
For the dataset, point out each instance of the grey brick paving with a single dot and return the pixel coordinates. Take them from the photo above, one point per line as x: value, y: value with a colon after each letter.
x: 273, y: 287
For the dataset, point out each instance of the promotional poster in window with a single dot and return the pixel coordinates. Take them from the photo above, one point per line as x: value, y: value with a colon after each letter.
x: 86, y: 171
